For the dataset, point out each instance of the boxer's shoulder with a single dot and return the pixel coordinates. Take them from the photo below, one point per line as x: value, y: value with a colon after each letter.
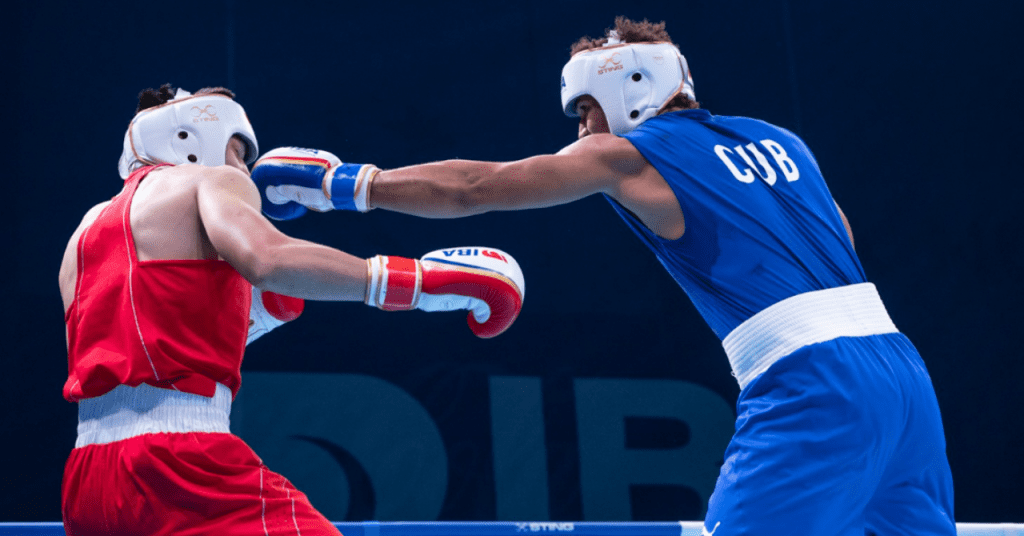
x: 185, y: 176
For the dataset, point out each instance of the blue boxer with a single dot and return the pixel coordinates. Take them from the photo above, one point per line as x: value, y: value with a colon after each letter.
x: 838, y: 429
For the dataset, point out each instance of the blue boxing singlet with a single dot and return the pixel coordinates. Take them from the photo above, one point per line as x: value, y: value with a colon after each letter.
x: 761, y: 225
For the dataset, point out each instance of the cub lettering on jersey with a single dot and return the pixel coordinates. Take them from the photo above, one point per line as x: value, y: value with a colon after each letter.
x: 763, y: 168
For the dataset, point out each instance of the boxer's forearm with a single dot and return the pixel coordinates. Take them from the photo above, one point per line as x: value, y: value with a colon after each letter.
x: 310, y: 271
x: 456, y: 188
x: 448, y: 189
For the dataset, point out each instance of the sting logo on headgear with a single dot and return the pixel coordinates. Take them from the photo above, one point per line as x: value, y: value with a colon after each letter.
x: 187, y: 128
x: 611, y: 63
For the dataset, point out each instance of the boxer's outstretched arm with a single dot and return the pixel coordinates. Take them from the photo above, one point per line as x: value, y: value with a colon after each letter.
x: 486, y: 281
x: 229, y: 207
x: 455, y: 188
x: 291, y: 179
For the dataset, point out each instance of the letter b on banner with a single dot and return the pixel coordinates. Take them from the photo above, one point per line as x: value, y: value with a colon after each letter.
x: 609, y: 467
x: 360, y: 447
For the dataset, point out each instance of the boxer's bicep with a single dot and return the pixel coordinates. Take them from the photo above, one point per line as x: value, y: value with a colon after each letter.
x: 229, y: 208
x: 549, y: 180
x: 456, y: 188
x: 596, y: 164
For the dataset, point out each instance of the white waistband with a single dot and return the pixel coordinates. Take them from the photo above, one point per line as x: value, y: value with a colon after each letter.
x: 132, y: 411
x: 802, y: 320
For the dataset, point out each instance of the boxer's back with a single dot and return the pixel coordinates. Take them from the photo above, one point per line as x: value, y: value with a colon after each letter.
x: 147, y: 298
x: 165, y: 223
x: 165, y: 215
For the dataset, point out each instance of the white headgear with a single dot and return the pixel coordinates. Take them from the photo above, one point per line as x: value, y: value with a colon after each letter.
x: 187, y: 128
x: 631, y: 82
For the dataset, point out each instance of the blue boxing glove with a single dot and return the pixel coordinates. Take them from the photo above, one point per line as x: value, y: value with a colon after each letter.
x: 292, y: 180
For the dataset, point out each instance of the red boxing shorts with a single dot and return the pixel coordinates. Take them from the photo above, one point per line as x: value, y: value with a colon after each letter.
x: 180, y: 482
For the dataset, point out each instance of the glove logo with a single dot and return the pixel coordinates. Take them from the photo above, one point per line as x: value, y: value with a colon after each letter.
x: 473, y: 252
x: 495, y: 255
x: 206, y: 113
x: 313, y: 152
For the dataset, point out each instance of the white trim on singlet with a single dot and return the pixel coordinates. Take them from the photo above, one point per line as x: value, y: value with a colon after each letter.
x: 81, y: 267
x: 802, y: 320
x: 131, y: 290
x: 126, y: 412
x: 294, y: 520
x: 263, y: 512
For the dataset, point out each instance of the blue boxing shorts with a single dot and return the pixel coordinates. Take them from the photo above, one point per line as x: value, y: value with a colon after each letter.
x: 839, y: 438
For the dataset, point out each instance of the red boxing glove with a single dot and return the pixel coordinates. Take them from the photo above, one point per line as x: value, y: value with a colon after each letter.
x: 486, y: 281
x: 269, y: 311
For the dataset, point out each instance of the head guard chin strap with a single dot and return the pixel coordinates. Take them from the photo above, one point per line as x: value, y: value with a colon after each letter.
x: 631, y: 82
x: 186, y: 129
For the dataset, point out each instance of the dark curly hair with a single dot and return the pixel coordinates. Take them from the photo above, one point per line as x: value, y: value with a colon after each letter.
x: 630, y: 31
x: 149, y: 97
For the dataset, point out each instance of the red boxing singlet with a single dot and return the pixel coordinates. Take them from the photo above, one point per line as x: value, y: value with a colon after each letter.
x: 175, y: 324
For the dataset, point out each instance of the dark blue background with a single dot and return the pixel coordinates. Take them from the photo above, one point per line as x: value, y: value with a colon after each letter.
x: 911, y: 108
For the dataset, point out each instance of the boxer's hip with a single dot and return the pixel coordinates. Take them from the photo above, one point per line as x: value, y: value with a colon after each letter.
x: 155, y: 461
x: 804, y: 320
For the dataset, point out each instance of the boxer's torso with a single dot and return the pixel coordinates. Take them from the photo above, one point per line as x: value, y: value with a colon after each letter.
x: 147, y: 300
x: 761, y: 225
